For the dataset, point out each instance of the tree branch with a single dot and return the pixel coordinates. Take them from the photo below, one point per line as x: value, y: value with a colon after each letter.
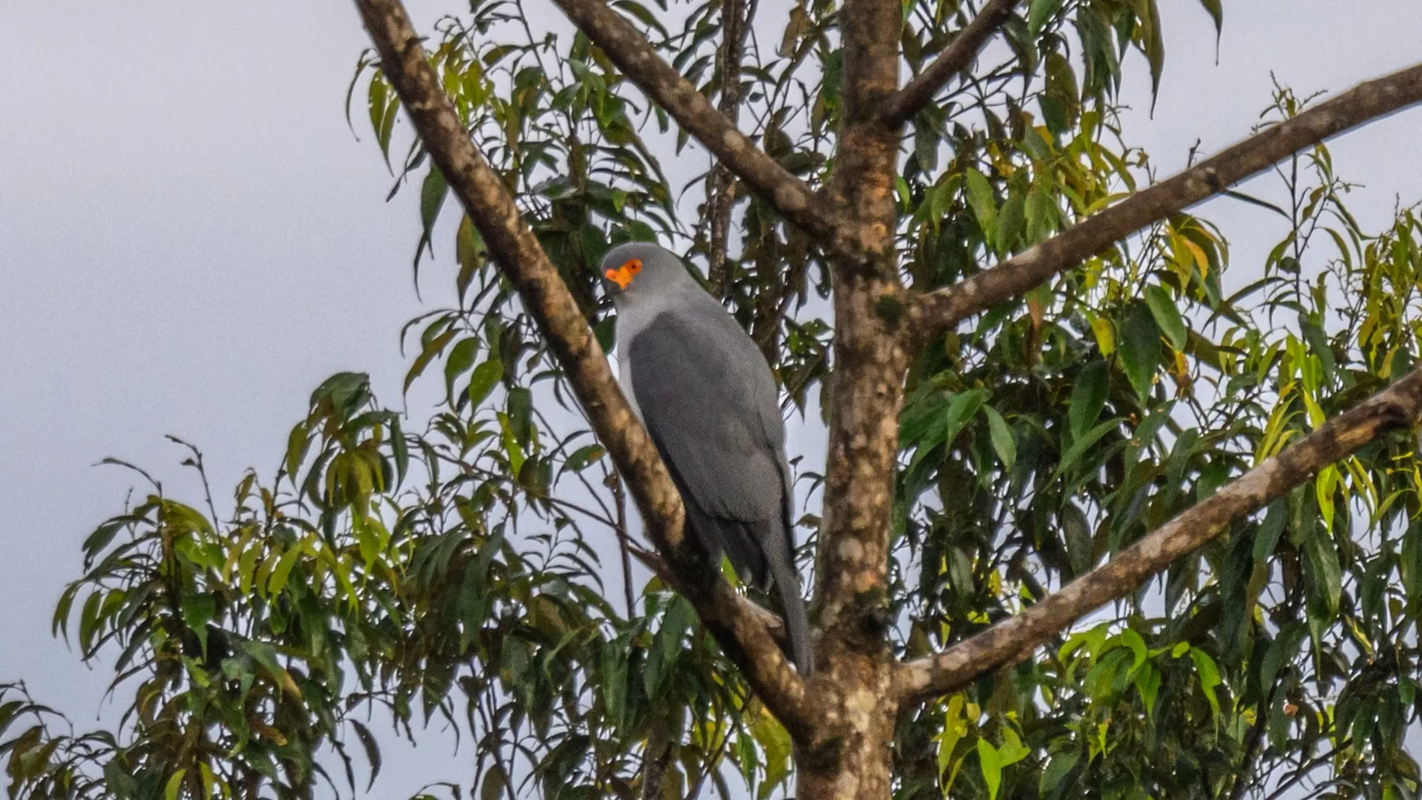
x: 1015, y: 638
x: 736, y: 19
x: 518, y: 255
x: 1363, y: 103
x: 955, y: 58
x: 666, y: 87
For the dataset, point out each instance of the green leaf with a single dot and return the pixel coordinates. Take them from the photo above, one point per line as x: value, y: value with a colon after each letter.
x: 1060, y: 766
x: 175, y: 784
x: 1003, y: 442
x: 1167, y: 316
x: 431, y: 199
x: 980, y: 197
x: 960, y: 411
x: 427, y: 354
x: 991, y: 764
x: 1139, y: 348
x: 614, y: 678
x: 1041, y: 214
x: 400, y: 448
x: 1088, y: 397
x: 1209, y: 676
x: 1080, y: 446
x: 1270, y: 529
x: 1147, y: 682
x: 372, y: 750
x: 461, y: 358
x: 486, y: 375
x: 1039, y: 14
x: 582, y: 457
x: 1323, y: 569
x: 297, y: 444
x: 1217, y: 14
x: 1010, y: 223
x: 198, y: 610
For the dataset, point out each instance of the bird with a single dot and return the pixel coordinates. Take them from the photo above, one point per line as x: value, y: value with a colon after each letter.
x: 706, y: 396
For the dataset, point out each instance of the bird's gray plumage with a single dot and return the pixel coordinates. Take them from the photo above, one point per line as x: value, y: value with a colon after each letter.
x: 710, y: 403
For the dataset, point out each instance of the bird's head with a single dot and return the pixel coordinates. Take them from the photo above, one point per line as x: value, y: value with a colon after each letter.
x: 640, y: 269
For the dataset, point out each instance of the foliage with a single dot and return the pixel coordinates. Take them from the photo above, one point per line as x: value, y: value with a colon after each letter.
x: 470, y: 571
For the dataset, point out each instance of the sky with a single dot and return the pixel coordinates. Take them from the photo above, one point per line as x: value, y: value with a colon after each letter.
x: 191, y: 239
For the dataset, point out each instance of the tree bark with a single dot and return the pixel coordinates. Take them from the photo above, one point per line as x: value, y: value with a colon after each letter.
x: 849, y: 756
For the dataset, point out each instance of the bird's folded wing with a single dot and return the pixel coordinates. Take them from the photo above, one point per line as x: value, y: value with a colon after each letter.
x: 702, y: 387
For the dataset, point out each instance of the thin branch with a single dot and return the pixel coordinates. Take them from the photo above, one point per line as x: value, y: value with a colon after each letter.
x: 736, y: 19
x: 956, y: 57
x: 1362, y: 104
x: 624, y: 542
x: 518, y: 255
x: 666, y: 87
x: 1014, y: 639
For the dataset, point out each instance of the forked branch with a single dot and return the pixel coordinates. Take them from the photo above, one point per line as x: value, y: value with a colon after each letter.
x: 1015, y: 638
x: 1362, y: 104
x: 518, y: 255
x: 955, y: 58
x: 666, y: 87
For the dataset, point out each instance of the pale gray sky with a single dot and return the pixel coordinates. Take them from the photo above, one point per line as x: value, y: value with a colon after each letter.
x: 191, y: 239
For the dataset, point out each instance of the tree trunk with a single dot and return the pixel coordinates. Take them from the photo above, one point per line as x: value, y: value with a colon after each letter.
x: 851, y: 755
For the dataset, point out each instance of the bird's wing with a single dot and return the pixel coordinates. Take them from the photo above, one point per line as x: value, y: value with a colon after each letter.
x: 701, y: 386
x: 710, y: 403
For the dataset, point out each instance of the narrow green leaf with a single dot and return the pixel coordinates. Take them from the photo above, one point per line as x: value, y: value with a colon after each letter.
x: 1039, y: 13
x: 1057, y: 770
x: 372, y: 750
x: 960, y: 411
x: 991, y: 764
x: 175, y: 784
x: 1088, y: 397
x: 1003, y: 442
x: 1209, y: 676
x: 486, y: 375
x: 1323, y: 569
x: 1167, y: 315
x: 1139, y: 348
x: 461, y: 358
x: 432, y: 194
x: 980, y: 197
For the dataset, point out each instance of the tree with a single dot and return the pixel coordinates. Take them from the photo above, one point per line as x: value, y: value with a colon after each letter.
x: 1113, y: 409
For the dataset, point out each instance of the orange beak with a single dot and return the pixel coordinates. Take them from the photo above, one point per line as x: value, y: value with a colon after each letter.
x: 622, y: 276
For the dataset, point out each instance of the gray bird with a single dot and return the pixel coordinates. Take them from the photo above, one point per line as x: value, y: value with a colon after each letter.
x: 705, y: 394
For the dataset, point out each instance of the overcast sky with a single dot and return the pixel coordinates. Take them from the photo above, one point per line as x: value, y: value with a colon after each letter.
x: 191, y: 239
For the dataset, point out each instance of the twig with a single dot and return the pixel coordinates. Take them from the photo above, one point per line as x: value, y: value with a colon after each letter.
x: 956, y: 57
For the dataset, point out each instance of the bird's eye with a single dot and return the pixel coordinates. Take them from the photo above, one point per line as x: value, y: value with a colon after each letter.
x: 634, y: 266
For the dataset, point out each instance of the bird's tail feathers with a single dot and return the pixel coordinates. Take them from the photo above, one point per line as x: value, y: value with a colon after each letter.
x: 797, y: 621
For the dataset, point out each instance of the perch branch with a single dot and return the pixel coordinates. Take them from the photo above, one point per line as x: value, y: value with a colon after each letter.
x: 518, y: 255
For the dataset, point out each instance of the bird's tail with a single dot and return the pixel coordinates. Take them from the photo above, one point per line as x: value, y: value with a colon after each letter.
x: 797, y: 622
